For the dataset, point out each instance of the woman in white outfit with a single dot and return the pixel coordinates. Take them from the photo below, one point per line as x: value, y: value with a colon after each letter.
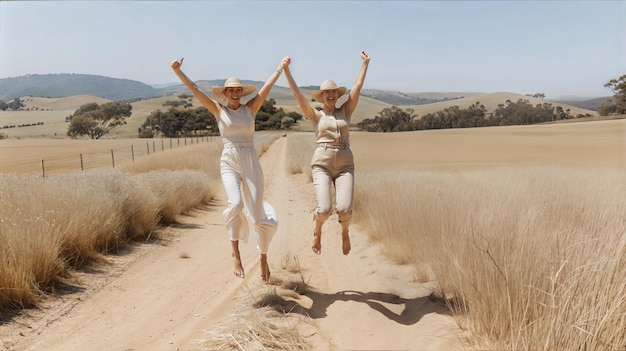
x: 332, y: 165
x: 239, y: 164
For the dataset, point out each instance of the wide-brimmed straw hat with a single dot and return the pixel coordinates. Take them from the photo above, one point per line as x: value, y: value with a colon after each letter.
x: 233, y: 82
x: 328, y: 85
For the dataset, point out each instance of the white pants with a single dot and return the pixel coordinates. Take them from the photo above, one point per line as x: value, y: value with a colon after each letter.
x: 242, y: 177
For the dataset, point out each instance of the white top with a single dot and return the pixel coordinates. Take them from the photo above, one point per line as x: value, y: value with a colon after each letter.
x: 236, y: 126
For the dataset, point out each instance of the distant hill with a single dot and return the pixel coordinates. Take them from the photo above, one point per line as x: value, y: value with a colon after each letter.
x: 65, y: 84
x: 589, y: 104
x: 398, y: 98
x: 56, y: 86
x: 206, y: 85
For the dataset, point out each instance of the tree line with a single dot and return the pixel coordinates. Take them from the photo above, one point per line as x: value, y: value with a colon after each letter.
x: 179, y: 120
x: 394, y: 119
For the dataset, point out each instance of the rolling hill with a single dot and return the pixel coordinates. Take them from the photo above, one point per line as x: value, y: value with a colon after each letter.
x: 64, y: 85
x: 114, y: 89
x: 51, y: 98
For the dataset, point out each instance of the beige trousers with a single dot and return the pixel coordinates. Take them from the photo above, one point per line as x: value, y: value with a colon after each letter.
x: 333, y: 169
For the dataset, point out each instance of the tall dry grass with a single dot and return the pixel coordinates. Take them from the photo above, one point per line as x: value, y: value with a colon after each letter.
x: 49, y: 225
x: 531, y: 258
x: 300, y: 148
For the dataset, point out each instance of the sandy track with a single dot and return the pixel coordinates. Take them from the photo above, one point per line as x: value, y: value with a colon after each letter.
x: 165, y: 297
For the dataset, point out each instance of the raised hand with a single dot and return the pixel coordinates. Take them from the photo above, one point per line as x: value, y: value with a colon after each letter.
x: 177, y: 63
x: 364, y: 56
x: 284, y: 63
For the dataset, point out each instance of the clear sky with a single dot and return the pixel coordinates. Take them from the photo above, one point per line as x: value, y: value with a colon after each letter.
x: 553, y: 47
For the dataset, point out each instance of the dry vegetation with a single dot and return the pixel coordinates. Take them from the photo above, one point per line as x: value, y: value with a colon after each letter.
x: 269, y: 324
x: 531, y: 258
x: 54, y: 224
x: 522, y: 228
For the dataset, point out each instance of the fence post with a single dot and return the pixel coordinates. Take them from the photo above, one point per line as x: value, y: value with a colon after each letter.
x: 43, y: 170
x: 132, y: 153
x: 153, y: 148
x: 81, y: 162
x: 170, y: 143
x: 162, y: 147
x: 148, y: 147
x: 112, y: 158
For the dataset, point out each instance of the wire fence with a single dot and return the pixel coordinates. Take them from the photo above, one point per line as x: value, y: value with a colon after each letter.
x: 67, y: 158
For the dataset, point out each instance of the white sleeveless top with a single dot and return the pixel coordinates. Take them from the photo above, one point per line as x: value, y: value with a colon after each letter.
x: 236, y: 126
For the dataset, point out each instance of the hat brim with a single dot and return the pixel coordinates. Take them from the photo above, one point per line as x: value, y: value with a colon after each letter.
x: 246, y: 90
x: 317, y: 95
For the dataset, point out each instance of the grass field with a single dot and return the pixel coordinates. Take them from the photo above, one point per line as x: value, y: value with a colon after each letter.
x: 25, y: 155
x: 521, y: 227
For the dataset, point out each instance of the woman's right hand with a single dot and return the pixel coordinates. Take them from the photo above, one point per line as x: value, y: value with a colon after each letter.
x: 177, y: 63
x: 365, y: 57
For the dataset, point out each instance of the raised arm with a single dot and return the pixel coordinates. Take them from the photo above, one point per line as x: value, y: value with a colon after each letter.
x: 206, y: 101
x: 308, y: 110
x: 257, y: 101
x: 353, y: 98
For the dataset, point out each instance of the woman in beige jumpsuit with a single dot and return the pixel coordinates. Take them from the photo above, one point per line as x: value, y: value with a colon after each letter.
x: 239, y: 164
x: 332, y: 163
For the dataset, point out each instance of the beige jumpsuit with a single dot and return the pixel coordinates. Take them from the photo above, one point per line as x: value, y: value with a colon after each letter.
x: 333, y: 164
x: 242, y: 177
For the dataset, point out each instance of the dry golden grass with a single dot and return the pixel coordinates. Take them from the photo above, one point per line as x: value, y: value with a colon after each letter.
x: 258, y: 329
x: 64, y: 155
x: 300, y: 147
x: 63, y: 221
x: 63, y: 103
x: 265, y: 322
x: 522, y: 228
x: 532, y: 258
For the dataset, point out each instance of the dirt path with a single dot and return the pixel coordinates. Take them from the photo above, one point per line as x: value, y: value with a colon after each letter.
x: 165, y: 297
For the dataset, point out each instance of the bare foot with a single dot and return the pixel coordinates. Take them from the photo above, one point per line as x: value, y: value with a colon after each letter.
x: 238, y: 267
x: 317, y: 243
x: 345, y: 243
x: 265, y: 269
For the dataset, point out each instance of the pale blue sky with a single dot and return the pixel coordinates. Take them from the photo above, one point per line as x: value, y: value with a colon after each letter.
x: 554, y: 47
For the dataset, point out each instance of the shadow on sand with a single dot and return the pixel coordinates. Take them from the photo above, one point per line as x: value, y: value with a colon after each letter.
x: 411, y: 309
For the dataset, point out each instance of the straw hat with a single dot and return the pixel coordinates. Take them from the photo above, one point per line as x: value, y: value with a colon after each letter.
x: 328, y: 85
x: 233, y: 82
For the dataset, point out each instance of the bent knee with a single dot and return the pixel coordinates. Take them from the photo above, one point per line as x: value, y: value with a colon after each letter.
x: 345, y: 215
x: 322, y: 214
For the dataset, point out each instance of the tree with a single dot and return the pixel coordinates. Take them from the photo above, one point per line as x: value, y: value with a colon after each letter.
x: 618, y: 106
x: 181, y: 122
x: 13, y: 105
x: 389, y: 120
x: 97, y: 120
